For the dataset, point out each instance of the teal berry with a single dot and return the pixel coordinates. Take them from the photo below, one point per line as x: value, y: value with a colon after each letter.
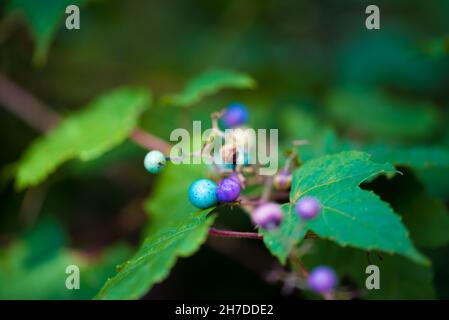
x: 202, y: 193
x: 154, y: 161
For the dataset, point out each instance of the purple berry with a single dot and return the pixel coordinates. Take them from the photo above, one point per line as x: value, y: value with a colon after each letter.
x: 235, y: 115
x: 268, y: 216
x: 228, y: 190
x: 308, y: 208
x: 283, y: 181
x: 322, y: 279
x: 234, y: 176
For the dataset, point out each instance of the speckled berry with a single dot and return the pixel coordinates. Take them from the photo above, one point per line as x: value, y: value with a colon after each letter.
x: 322, y: 279
x: 154, y: 161
x: 228, y: 190
x: 236, y: 114
x: 202, y: 193
x: 283, y: 181
x: 308, y: 208
x: 267, y: 216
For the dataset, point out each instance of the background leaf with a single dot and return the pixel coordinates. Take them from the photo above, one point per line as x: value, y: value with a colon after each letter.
x: 43, y: 21
x: 104, y: 124
x: 374, y: 114
x: 430, y: 163
x: 300, y: 124
x: 34, y: 267
x: 209, y: 83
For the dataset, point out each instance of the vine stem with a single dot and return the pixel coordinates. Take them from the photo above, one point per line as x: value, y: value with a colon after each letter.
x: 234, y: 234
x: 149, y: 141
x: 26, y: 107
x: 39, y: 116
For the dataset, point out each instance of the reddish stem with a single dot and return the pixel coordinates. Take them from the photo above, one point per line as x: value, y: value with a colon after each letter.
x: 26, y: 106
x: 149, y: 141
x: 234, y: 234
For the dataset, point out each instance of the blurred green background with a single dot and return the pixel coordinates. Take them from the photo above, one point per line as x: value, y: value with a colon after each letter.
x: 321, y: 75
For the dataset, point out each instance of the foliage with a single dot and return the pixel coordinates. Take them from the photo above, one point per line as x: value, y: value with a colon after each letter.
x: 34, y: 267
x: 42, y: 20
x: 369, y: 108
x: 349, y: 216
x: 209, y: 83
x: 105, y: 123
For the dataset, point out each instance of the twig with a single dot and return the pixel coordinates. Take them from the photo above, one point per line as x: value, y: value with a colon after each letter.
x: 149, y: 141
x: 26, y: 107
x: 234, y: 234
x: 267, y: 189
x: 35, y: 113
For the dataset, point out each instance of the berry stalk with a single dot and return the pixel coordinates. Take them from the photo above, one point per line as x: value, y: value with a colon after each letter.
x: 234, y: 234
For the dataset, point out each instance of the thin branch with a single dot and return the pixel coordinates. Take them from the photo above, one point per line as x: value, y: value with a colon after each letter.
x: 234, y: 234
x: 26, y: 107
x: 267, y: 189
x: 149, y: 141
x: 35, y: 113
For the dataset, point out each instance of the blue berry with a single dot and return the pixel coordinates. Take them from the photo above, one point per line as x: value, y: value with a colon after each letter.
x: 235, y: 115
x: 283, y: 181
x: 154, y: 161
x: 202, y: 193
x: 268, y: 216
x: 322, y: 279
x: 228, y: 190
x: 308, y: 208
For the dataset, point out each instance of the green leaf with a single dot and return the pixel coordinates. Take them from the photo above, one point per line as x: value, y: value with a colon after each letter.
x: 281, y: 241
x: 376, y: 115
x: 350, y: 216
x: 399, y: 278
x: 43, y: 19
x: 176, y: 229
x: 86, y: 135
x: 34, y: 267
x: 210, y: 83
x: 158, y: 254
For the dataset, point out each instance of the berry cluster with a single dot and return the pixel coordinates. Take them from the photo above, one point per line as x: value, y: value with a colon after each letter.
x: 264, y: 213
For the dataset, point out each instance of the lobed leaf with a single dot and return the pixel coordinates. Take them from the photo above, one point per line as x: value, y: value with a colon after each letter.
x: 86, y: 135
x: 349, y: 216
